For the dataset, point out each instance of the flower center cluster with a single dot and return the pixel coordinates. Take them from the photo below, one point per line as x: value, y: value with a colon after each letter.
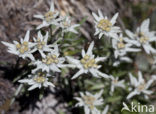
x: 121, y: 44
x: 88, y: 62
x: 142, y: 38
x: 105, y: 25
x: 22, y: 47
x: 49, y: 16
x: 141, y: 86
x: 115, y: 81
x: 40, y: 44
x: 40, y: 78
x: 66, y: 24
x: 89, y: 100
x: 50, y: 59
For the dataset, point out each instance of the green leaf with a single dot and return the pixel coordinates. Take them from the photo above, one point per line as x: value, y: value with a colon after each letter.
x: 97, y: 86
x: 114, y: 99
x: 60, y: 112
x: 83, y: 20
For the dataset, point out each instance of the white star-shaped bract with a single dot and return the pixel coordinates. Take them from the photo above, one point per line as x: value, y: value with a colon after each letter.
x: 143, y: 37
x: 41, y: 44
x: 67, y: 26
x: 140, y: 85
x: 50, y: 18
x: 88, y: 63
x: 116, y: 83
x: 121, y: 46
x: 89, y: 102
x: 104, y: 26
x: 37, y: 80
x: 23, y: 48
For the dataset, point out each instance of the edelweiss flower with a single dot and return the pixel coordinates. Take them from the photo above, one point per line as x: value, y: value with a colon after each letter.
x: 89, y: 102
x: 140, y: 85
x: 23, y: 48
x: 66, y: 25
x: 104, y: 26
x: 143, y: 37
x: 41, y: 44
x: 37, y: 80
x: 121, y: 46
x: 116, y: 83
x: 50, y: 18
x: 52, y: 62
x: 88, y: 63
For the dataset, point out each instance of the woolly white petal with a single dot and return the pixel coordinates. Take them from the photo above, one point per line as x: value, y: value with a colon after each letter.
x: 102, y: 74
x: 83, y: 53
x: 9, y: 45
x: 130, y: 34
x: 42, y: 54
x: 133, y: 80
x: 30, y: 56
x: 26, y: 38
x: 148, y: 92
x: 33, y: 87
x: 145, y: 25
x: 52, y: 8
x: 100, y: 13
x: 105, y: 110
x: 78, y: 74
x: 44, y: 24
x: 39, y: 16
x: 24, y: 81
x: 55, y: 68
x: 93, y: 72
x: 126, y: 59
x: 50, y: 84
x: 72, y: 60
x: 113, y: 20
x: 100, y: 59
x: 140, y: 78
x: 133, y: 93
x: 98, y: 95
x: 87, y: 111
x: 89, y: 52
